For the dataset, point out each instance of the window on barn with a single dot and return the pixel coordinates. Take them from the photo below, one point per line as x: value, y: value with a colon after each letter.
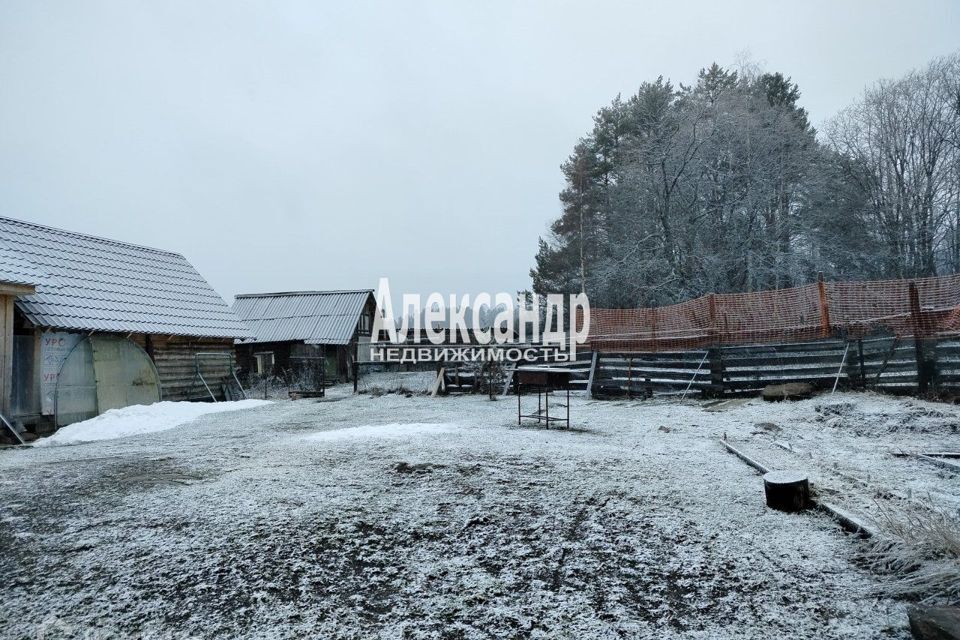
x: 263, y: 363
x: 366, y: 323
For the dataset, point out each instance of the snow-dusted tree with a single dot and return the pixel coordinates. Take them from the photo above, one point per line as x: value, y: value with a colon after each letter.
x: 681, y: 191
x: 901, y: 142
x: 723, y: 186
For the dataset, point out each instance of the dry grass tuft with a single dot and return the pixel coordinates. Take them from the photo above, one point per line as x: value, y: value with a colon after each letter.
x: 919, y: 553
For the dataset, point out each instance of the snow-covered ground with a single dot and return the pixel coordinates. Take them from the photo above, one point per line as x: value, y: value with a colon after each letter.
x: 140, y: 419
x: 393, y: 516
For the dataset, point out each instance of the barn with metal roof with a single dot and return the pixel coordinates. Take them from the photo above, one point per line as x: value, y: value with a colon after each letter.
x: 89, y: 324
x: 294, y: 330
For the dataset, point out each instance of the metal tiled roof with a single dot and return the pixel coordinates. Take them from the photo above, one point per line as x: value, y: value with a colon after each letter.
x: 85, y: 283
x: 316, y: 317
x: 16, y: 270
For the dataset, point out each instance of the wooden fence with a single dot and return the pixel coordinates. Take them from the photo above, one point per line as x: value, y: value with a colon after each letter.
x: 888, y: 363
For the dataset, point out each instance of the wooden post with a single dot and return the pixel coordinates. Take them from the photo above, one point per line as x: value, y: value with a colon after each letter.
x: 863, y: 366
x: 712, y: 329
x: 715, y: 358
x: 714, y: 350
x: 438, y: 384
x: 824, y: 307
x: 916, y: 313
x: 518, y: 402
x: 490, y: 379
x: 653, y: 328
x: 594, y: 357
x: 6, y: 352
x: 787, y: 490
x: 356, y: 372
x: 8, y: 296
x: 924, y: 372
x: 933, y: 366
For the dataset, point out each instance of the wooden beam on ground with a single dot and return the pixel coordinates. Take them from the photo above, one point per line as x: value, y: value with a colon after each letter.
x: 750, y: 461
x: 950, y: 466
x: 846, y: 520
x: 935, y: 454
x: 932, y: 454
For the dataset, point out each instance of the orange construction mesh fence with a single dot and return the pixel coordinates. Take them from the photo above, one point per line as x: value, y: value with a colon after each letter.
x: 922, y: 307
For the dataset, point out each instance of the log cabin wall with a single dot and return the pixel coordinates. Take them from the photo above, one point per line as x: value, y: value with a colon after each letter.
x: 175, y: 358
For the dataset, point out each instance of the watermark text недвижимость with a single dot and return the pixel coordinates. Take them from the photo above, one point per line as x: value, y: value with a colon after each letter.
x: 486, y: 327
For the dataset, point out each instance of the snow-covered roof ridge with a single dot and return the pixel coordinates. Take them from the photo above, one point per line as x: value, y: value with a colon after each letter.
x: 302, y: 293
x: 316, y: 317
x: 85, y: 236
x: 86, y: 283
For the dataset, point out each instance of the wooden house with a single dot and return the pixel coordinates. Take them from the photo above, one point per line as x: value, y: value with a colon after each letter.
x: 292, y: 331
x: 89, y: 324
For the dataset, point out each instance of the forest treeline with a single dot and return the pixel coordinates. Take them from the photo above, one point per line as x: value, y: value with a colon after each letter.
x: 724, y: 186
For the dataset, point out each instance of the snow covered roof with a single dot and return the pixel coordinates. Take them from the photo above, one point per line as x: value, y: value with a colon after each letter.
x: 315, y: 317
x: 16, y: 270
x: 85, y: 283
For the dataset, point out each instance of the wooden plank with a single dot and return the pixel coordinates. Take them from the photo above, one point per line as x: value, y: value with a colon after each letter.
x: 593, y: 370
x: 676, y: 355
x: 846, y: 520
x: 640, y: 363
x: 14, y: 432
x: 509, y: 379
x: 946, y: 464
x: 640, y: 383
x: 935, y: 454
x: 804, y: 359
x: 640, y: 372
x: 785, y: 346
x: 438, y: 383
x: 750, y: 461
x: 6, y: 352
x: 798, y: 368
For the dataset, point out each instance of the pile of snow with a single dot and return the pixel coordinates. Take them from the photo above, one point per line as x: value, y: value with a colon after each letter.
x: 393, y: 430
x: 139, y: 419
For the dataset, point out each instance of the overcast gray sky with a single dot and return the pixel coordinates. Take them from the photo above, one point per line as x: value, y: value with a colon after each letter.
x: 305, y: 145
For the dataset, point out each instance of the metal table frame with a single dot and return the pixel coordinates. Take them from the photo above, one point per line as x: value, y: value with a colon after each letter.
x: 544, y: 393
